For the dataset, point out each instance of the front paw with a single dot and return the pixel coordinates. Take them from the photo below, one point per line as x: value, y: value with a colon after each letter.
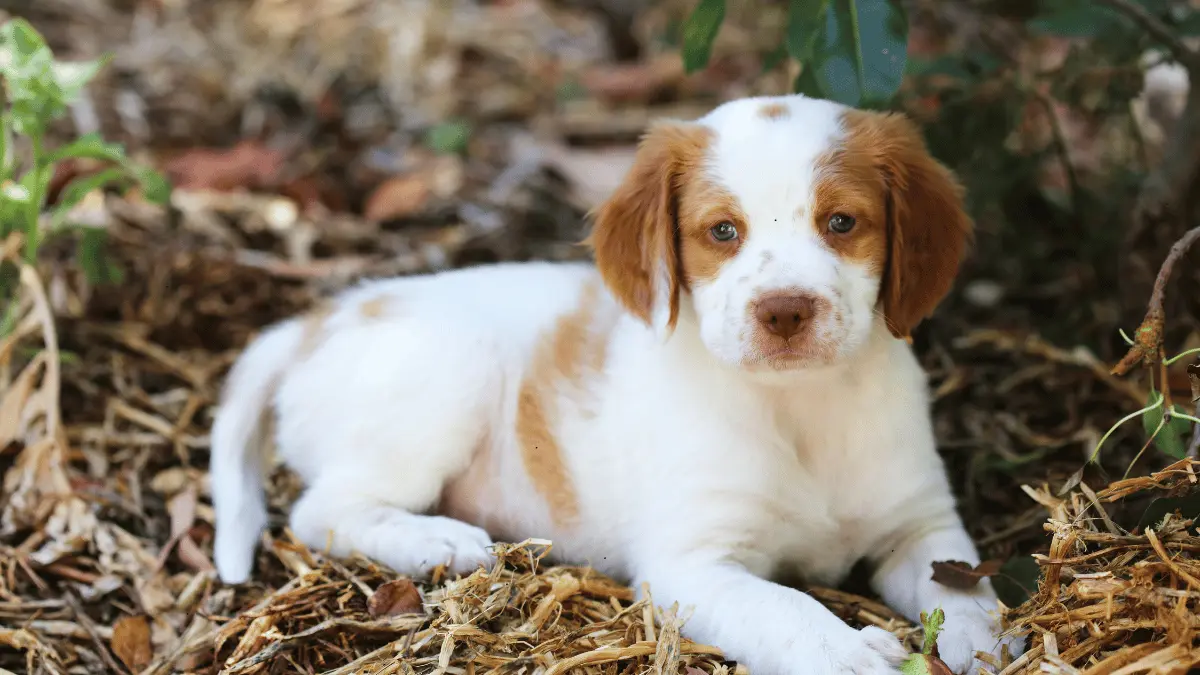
x: 972, y: 631
x: 870, y: 651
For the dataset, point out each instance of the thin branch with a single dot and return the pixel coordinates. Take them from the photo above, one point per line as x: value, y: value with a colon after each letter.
x: 1060, y: 145
x: 1148, y: 338
x: 1193, y: 371
x: 1159, y: 30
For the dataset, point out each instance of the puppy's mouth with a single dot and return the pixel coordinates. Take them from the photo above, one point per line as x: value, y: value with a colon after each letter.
x: 795, y: 357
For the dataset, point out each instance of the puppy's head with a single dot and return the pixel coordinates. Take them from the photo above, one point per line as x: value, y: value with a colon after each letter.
x: 789, y: 225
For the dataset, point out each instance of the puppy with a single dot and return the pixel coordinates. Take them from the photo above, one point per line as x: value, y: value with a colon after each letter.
x: 726, y: 396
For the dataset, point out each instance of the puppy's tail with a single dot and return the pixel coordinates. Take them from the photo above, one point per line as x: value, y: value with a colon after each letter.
x: 238, y: 440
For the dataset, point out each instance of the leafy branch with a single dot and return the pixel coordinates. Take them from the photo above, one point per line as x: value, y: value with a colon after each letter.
x: 1159, y: 30
x: 36, y: 90
x: 850, y: 51
x: 1165, y: 423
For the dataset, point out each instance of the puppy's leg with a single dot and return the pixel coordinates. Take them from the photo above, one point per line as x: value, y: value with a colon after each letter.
x: 345, y: 518
x: 904, y: 580
x: 772, y: 629
x: 376, y: 421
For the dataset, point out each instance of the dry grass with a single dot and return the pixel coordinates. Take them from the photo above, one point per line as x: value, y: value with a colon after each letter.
x: 1111, y: 601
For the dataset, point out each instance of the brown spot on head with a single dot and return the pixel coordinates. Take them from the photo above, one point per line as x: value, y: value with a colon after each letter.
x: 663, y: 215
x: 702, y: 206
x: 910, y: 225
x: 314, y: 328
x: 373, y: 308
x: 774, y: 111
x: 635, y: 236
x: 563, y: 362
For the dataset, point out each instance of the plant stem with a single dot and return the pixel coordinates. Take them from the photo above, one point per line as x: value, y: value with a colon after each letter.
x: 1148, y: 338
x: 1159, y: 30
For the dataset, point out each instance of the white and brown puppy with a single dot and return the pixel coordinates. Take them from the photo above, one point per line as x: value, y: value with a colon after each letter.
x: 727, y: 395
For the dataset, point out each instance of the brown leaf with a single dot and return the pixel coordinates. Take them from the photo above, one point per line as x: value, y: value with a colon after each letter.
x: 248, y: 164
x: 131, y: 642
x: 633, y: 81
x: 960, y: 575
x: 394, y: 598
x: 937, y: 666
x: 397, y: 197
x: 1193, y: 372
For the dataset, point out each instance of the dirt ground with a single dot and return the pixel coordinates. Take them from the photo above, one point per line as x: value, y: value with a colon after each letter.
x: 314, y: 144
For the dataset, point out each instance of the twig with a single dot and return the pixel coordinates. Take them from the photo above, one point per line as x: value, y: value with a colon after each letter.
x: 1060, y: 146
x: 1193, y: 371
x: 1148, y: 338
x: 1159, y: 30
x: 90, y: 628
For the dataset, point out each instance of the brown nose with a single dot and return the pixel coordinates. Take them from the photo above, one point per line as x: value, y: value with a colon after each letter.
x: 785, y: 316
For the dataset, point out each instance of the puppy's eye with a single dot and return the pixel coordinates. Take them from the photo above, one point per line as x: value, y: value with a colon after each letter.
x: 841, y: 223
x: 724, y: 231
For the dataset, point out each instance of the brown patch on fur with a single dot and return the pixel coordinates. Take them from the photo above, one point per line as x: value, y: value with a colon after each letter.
x: 635, y: 237
x: 850, y: 183
x: 313, y: 323
x: 374, y: 308
x: 576, y: 348
x: 701, y: 206
x: 774, y: 111
x: 911, y: 226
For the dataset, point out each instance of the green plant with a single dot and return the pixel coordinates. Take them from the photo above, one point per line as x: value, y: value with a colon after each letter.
x: 926, y: 662
x: 37, y: 89
x: 851, y: 51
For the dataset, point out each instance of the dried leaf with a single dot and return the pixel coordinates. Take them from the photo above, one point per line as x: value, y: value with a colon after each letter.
x: 960, y: 575
x: 1193, y: 372
x: 395, y: 598
x: 627, y: 82
x: 397, y: 198
x: 248, y: 164
x: 131, y: 642
x: 925, y: 664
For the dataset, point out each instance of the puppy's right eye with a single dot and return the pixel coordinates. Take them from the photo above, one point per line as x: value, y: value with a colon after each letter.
x: 724, y: 231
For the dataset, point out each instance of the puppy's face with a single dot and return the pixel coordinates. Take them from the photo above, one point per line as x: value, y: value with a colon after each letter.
x: 790, y: 225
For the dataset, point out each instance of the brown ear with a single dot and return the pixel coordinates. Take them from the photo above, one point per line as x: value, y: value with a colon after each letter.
x: 635, y: 236
x: 928, y: 228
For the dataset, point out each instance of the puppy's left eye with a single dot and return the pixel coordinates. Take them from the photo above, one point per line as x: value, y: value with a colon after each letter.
x: 841, y: 223
x: 724, y: 231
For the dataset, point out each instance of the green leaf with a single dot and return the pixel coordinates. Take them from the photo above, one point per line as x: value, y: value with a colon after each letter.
x: 807, y: 84
x: 97, y: 267
x: 806, y: 19
x: 932, y: 623
x: 1017, y: 580
x: 91, y: 146
x: 1076, y: 19
x: 699, y: 31
x: 72, y: 77
x: 155, y: 186
x: 915, y: 664
x: 79, y: 188
x: 859, y: 58
x: 1172, y: 439
x: 14, y: 207
x: 449, y: 137
x: 20, y: 45
x: 7, y: 159
x: 26, y: 65
x: 1187, y: 505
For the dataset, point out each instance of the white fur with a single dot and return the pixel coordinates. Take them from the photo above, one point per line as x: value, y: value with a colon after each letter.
x: 692, y: 471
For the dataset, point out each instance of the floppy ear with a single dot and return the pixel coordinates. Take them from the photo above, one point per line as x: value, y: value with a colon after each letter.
x: 928, y: 227
x: 635, y: 235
